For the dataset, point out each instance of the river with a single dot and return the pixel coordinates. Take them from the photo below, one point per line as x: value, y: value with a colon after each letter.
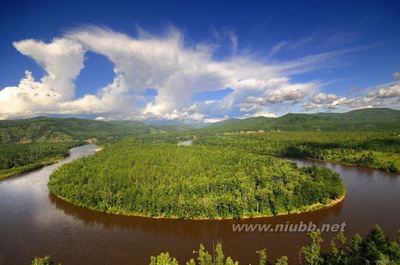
x: 35, y: 223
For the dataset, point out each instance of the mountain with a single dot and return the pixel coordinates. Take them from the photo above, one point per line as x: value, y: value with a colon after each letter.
x: 372, y: 119
x: 44, y: 129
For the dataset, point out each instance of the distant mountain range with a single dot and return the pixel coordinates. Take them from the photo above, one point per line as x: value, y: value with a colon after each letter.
x: 44, y: 129
x: 372, y: 119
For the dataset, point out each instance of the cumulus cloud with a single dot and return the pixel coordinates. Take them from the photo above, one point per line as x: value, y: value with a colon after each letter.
x: 324, y: 101
x: 396, y: 75
x: 62, y: 60
x: 166, y: 63
x: 277, y: 92
x: 387, y: 95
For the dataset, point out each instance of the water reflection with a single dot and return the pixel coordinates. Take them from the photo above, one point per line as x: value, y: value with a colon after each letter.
x: 181, y: 227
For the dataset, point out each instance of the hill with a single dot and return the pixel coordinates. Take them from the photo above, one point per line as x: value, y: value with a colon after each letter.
x: 44, y: 129
x: 375, y: 119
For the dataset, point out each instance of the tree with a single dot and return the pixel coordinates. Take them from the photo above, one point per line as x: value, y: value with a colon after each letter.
x: 338, y: 250
x: 163, y: 259
x: 191, y: 182
x: 262, y: 254
x: 219, y: 255
x: 311, y: 251
x: 282, y: 261
x: 377, y: 236
x: 46, y: 260
x: 354, y: 250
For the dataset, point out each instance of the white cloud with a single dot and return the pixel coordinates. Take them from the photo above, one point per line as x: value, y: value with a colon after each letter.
x: 324, y: 101
x: 396, y: 75
x: 177, y: 71
x: 62, y: 59
x: 387, y: 95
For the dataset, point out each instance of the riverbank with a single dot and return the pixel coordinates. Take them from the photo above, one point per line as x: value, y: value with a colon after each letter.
x: 6, y: 173
x: 305, y: 209
x: 198, y: 182
x: 21, y: 158
x: 395, y: 170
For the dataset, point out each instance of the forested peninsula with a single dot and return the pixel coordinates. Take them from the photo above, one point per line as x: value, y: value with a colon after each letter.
x: 194, y: 182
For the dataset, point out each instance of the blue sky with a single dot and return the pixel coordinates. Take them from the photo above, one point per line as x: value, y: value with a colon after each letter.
x: 249, y: 58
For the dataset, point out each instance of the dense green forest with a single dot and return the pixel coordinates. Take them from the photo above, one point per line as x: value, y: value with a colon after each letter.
x: 374, y: 119
x: 29, y: 144
x: 378, y: 150
x: 367, y: 137
x: 374, y: 248
x: 43, y: 129
x: 18, y: 158
x: 192, y: 182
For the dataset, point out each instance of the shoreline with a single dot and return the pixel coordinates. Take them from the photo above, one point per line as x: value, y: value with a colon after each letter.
x: 341, y: 163
x: 307, y: 208
x: 35, y: 166
x: 98, y: 149
x: 31, y: 167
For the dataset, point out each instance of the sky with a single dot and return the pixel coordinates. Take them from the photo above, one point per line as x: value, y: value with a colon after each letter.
x: 196, y: 61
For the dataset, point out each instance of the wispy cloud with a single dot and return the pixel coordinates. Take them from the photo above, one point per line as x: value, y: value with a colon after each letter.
x: 319, y: 41
x: 175, y: 69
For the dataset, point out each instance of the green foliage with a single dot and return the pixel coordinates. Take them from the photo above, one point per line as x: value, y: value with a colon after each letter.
x: 29, y: 144
x: 205, y: 258
x: 262, y: 256
x: 311, y: 251
x: 374, y: 249
x: 338, y: 254
x: 192, y: 182
x: 17, y: 158
x: 56, y: 130
x: 218, y: 258
x: 379, y: 150
x: 368, y: 137
x: 376, y: 119
x: 46, y: 260
x: 16, y: 155
x: 282, y: 261
x: 163, y: 259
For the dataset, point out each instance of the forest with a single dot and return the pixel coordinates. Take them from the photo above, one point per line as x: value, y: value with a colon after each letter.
x: 367, y: 137
x: 57, y: 130
x: 28, y: 144
x: 18, y: 158
x: 380, y: 150
x: 369, y: 119
x: 374, y: 248
x: 166, y: 180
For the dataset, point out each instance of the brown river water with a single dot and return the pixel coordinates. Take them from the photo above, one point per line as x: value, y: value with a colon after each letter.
x: 35, y: 223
